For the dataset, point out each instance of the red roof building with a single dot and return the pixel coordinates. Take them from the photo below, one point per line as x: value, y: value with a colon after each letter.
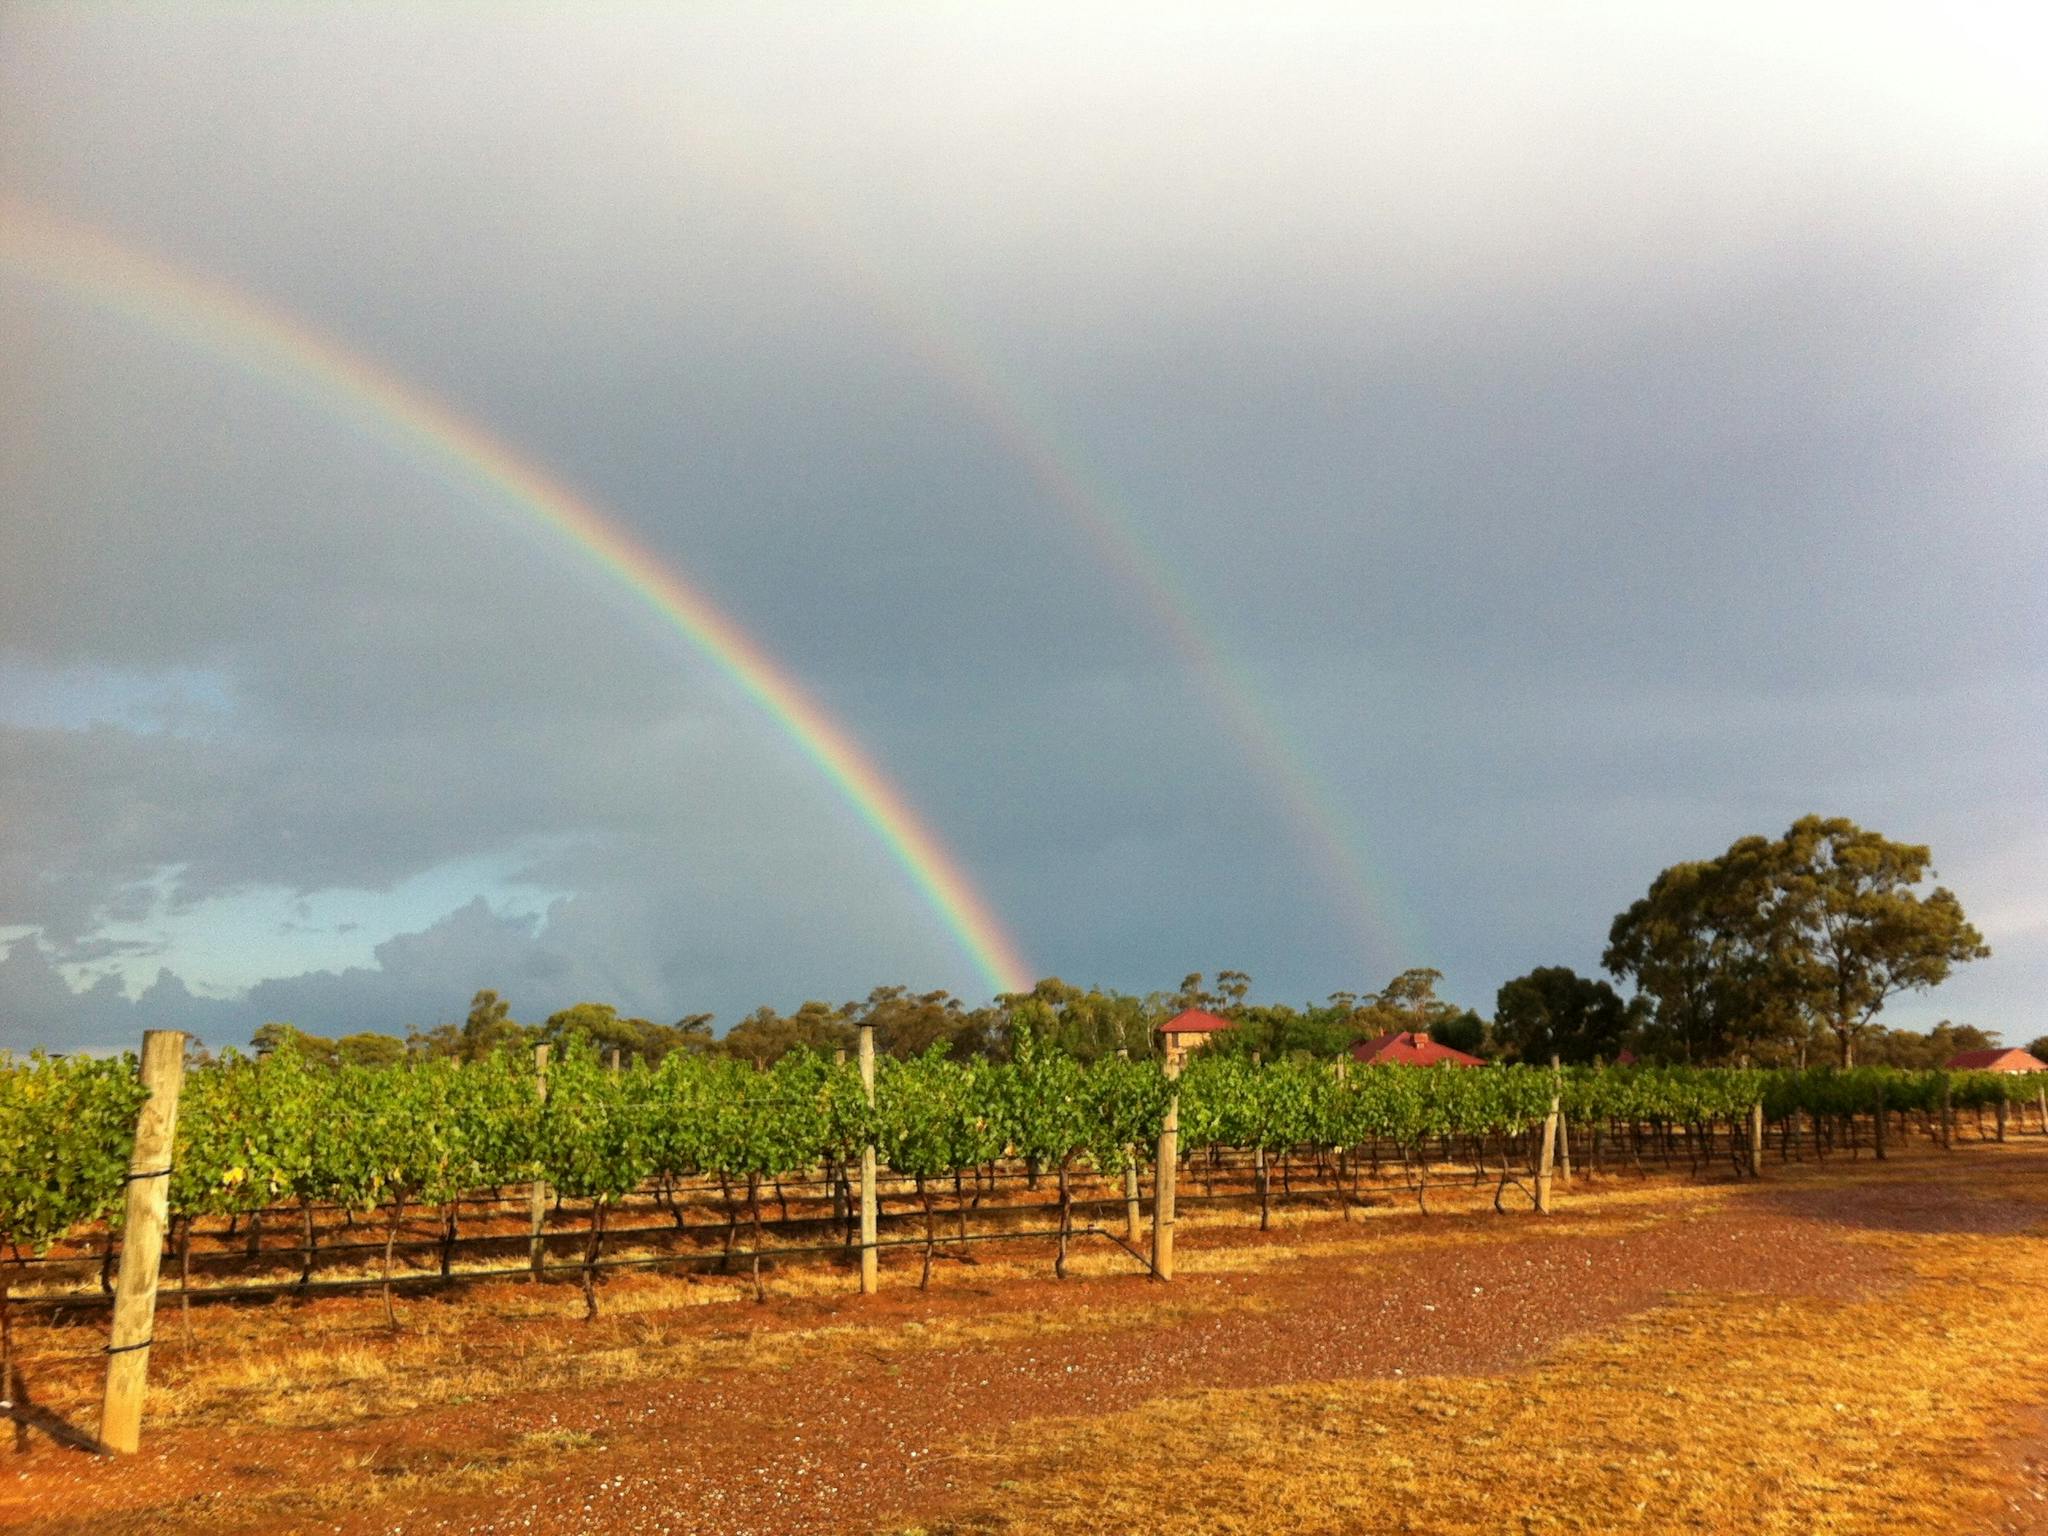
x: 1410, y: 1048
x: 2012, y: 1059
x: 1191, y: 1028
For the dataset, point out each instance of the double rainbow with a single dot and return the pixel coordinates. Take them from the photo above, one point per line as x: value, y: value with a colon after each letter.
x: 279, y: 346
x: 718, y: 138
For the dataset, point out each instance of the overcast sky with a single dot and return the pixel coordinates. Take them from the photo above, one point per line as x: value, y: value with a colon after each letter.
x: 1587, y: 435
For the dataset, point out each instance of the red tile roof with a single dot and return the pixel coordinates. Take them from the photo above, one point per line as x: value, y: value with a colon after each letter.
x: 1193, y: 1021
x: 1410, y: 1048
x: 2010, y: 1059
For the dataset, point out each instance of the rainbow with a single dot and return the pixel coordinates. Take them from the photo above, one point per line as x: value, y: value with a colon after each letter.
x: 1323, y: 831
x: 1328, y: 835
x: 283, y: 348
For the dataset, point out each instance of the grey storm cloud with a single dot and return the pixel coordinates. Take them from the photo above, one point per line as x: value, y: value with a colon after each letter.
x: 1593, y: 438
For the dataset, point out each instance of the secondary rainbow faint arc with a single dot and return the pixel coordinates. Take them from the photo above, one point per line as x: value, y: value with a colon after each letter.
x: 1324, y: 830
x: 278, y: 345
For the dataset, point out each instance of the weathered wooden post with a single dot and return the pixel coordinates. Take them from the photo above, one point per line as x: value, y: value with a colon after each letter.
x: 1134, y: 1219
x: 1948, y: 1116
x: 537, y: 1249
x: 1756, y: 1139
x: 612, y: 1058
x: 1164, y: 1170
x: 2041, y: 1103
x: 142, y: 1240
x: 2000, y: 1111
x: 1564, y: 1124
x: 870, y: 1258
x: 1546, y: 1152
x: 833, y: 1174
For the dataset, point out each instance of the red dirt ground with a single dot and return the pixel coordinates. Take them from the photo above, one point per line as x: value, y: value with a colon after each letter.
x: 850, y: 1441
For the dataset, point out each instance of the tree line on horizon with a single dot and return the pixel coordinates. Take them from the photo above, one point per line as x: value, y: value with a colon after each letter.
x: 1780, y: 952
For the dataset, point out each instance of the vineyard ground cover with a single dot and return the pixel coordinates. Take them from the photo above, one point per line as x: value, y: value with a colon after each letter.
x: 1005, y: 1402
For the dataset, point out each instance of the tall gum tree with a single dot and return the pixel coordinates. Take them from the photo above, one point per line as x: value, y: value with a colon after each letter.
x: 1865, y: 932
x: 1775, y: 937
x: 1555, y: 1011
x: 1706, y: 947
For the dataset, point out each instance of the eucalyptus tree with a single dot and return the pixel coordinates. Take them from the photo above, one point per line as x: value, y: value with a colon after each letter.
x: 1821, y: 926
x: 1709, y: 947
x: 1866, y: 932
x: 1554, y: 1011
x: 489, y: 1027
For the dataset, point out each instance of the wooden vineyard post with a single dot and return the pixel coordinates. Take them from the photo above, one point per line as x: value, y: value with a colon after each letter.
x: 1564, y: 1126
x: 1545, y: 1153
x: 142, y: 1240
x: 538, y: 1251
x: 870, y: 1260
x: 1999, y: 1111
x: 1756, y: 1139
x: 1134, y: 1214
x: 1134, y: 1217
x: 612, y: 1059
x: 833, y: 1174
x: 1881, y: 1116
x: 1164, y: 1170
x: 1948, y: 1118
x: 2041, y: 1103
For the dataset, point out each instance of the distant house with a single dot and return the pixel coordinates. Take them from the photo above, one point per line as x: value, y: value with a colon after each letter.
x: 1190, y: 1029
x: 1410, y: 1048
x: 2010, y: 1060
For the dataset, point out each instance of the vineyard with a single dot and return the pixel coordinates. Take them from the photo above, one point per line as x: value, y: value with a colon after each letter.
x: 420, y: 1239
x: 291, y: 1175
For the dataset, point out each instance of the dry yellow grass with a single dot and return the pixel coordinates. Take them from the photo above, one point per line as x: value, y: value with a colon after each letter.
x: 1713, y: 1414
x: 277, y: 1366
x: 284, y: 1364
x: 281, y: 1365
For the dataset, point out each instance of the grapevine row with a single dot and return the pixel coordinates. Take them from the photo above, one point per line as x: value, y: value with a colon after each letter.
x: 258, y: 1133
